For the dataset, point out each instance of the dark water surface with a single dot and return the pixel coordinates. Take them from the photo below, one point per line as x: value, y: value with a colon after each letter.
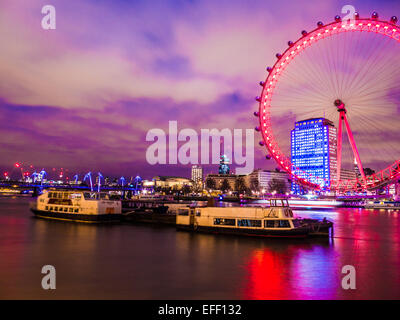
x: 145, y: 262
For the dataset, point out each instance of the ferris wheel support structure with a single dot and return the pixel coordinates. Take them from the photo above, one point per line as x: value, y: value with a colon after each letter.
x: 343, y: 118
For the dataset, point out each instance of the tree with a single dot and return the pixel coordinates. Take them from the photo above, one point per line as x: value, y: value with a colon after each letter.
x: 225, y: 186
x: 186, y: 189
x: 240, y: 185
x: 254, y: 184
x: 368, y: 171
x: 210, y: 184
x: 277, y: 185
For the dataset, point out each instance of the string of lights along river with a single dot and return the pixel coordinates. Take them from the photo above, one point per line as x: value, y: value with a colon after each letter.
x: 125, y: 261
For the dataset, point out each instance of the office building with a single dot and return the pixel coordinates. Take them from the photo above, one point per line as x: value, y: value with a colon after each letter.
x: 314, y: 151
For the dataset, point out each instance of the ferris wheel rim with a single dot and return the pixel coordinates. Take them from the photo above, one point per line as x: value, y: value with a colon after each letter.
x: 374, y: 25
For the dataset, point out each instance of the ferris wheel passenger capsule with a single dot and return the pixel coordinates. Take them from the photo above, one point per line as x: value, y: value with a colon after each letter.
x: 338, y: 18
x: 320, y: 24
x: 261, y: 83
x: 257, y: 128
x: 268, y: 157
x: 269, y: 69
x: 278, y: 55
x: 261, y: 143
x: 393, y: 19
x: 375, y: 15
x: 304, y: 33
x: 290, y: 43
x: 258, y: 99
x: 356, y: 15
x: 256, y: 113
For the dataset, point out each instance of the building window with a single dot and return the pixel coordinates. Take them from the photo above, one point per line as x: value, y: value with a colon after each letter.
x: 47, y: 208
x: 249, y: 223
x: 225, y: 222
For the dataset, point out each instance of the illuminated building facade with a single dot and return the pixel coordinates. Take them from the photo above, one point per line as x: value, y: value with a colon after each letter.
x: 197, y: 176
x: 224, y: 165
x: 314, y: 151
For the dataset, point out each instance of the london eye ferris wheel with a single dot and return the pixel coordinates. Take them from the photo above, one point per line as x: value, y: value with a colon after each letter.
x: 342, y: 77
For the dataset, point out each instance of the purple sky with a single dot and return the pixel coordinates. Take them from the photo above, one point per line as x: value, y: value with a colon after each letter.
x: 84, y: 96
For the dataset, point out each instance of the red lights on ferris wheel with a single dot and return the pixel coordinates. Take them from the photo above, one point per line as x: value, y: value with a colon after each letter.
x: 373, y: 25
x: 17, y: 165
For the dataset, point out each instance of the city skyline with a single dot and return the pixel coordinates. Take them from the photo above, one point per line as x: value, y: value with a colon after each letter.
x: 62, y: 105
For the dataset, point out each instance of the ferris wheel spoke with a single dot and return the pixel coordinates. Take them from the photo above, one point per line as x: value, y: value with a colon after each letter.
x: 372, y: 60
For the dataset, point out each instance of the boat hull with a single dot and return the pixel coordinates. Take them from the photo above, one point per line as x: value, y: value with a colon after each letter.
x: 75, y: 217
x: 293, y: 233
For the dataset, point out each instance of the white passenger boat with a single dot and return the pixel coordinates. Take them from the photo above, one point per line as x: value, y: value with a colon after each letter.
x: 274, y: 221
x: 394, y: 205
x: 80, y: 206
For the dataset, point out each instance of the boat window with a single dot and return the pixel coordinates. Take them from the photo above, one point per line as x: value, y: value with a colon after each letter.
x: 198, y: 213
x: 249, y: 223
x: 71, y: 210
x: 65, y: 209
x: 76, y: 210
x: 283, y: 224
x: 50, y: 195
x: 59, y: 195
x: 224, y: 222
x: 183, y: 212
x: 269, y: 223
x: 90, y: 195
x: 51, y: 208
x: 296, y: 223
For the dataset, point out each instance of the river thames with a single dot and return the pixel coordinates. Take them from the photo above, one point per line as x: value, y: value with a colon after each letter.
x: 124, y: 261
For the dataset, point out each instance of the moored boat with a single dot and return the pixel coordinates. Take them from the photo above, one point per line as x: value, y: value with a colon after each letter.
x: 274, y: 221
x: 78, y: 206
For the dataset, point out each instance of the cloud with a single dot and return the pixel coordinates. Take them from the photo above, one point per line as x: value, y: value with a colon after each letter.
x: 87, y: 93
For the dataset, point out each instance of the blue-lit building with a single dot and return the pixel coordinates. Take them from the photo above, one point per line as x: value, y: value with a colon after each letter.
x: 314, y: 151
x: 224, y: 165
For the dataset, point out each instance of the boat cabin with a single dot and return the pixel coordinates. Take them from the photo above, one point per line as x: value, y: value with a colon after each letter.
x: 277, y: 216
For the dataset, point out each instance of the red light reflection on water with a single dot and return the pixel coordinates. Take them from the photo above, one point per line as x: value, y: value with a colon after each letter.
x: 295, y: 272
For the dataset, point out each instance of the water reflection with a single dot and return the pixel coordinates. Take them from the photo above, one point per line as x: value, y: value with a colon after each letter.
x: 291, y: 271
x: 144, y: 262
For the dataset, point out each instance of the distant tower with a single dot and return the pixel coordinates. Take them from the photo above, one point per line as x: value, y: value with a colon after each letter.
x: 197, y: 175
x: 314, y: 151
x: 224, y: 165
x: 357, y: 169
